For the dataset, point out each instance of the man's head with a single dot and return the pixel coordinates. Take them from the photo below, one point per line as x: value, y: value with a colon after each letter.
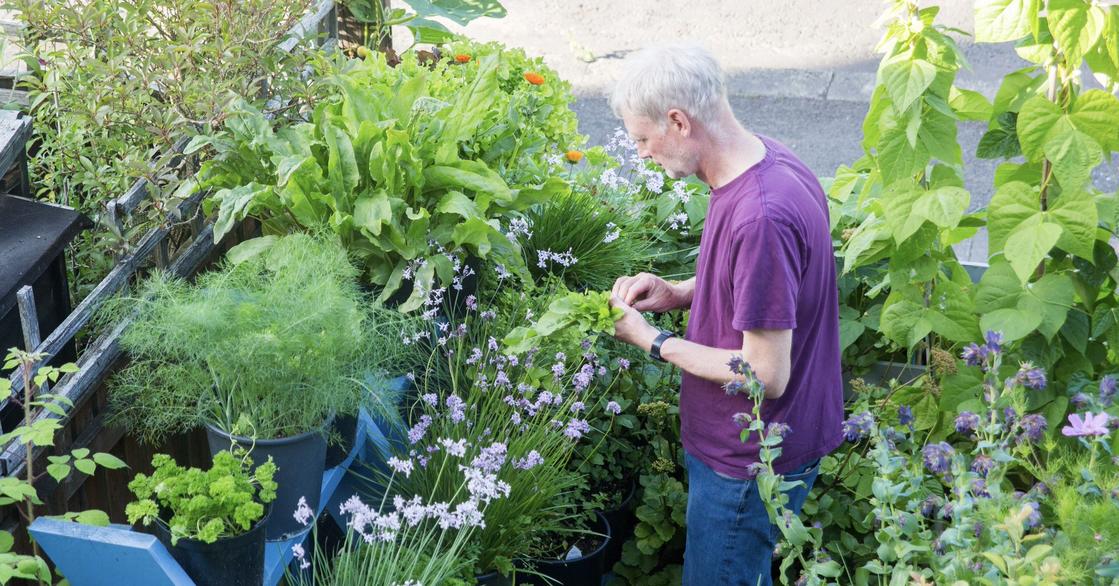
x: 669, y: 98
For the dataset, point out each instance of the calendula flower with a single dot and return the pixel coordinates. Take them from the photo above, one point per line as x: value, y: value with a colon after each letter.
x: 573, y: 156
x: 462, y: 58
x: 534, y: 78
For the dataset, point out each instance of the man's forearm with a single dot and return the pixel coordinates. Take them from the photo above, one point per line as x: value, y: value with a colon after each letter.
x: 712, y: 363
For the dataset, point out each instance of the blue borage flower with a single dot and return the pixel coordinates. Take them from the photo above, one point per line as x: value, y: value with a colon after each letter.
x: 938, y: 457
x: 858, y: 427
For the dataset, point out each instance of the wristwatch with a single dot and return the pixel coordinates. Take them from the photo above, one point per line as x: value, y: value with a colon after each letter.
x: 655, y: 350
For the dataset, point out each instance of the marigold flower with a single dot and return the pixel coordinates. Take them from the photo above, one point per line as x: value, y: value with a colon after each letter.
x: 462, y: 58
x: 573, y: 156
x: 534, y: 78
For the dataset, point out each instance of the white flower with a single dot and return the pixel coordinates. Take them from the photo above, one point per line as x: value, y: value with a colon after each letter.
x: 454, y: 448
x: 613, y: 233
x: 404, y: 467
x: 303, y: 512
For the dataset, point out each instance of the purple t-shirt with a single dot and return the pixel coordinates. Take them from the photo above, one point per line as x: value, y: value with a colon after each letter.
x: 766, y: 262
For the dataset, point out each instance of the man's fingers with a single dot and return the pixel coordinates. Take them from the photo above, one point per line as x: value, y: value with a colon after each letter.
x: 638, y: 289
x: 618, y: 285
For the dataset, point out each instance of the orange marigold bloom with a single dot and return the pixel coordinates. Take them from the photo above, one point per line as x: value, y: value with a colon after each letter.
x: 534, y: 78
x: 462, y: 58
x: 573, y: 156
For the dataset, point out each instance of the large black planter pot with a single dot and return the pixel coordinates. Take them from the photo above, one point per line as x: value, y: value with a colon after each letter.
x: 493, y: 578
x: 229, y: 561
x: 622, y: 520
x: 300, y: 460
x: 344, y: 429
x: 586, y: 570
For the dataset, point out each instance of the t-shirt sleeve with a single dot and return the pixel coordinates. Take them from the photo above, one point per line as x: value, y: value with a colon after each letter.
x: 766, y: 264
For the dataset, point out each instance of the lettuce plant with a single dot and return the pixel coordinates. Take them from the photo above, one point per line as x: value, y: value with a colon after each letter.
x: 412, y: 167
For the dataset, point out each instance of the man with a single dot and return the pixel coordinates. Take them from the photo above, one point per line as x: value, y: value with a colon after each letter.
x: 764, y: 290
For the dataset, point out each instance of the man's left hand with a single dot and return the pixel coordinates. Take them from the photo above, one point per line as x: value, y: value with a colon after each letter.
x: 632, y: 328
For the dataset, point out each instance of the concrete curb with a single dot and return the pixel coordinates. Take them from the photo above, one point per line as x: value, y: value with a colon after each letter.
x: 830, y: 85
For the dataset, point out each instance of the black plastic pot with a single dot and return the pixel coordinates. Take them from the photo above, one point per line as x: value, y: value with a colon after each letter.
x: 229, y: 561
x: 622, y: 520
x: 493, y: 578
x: 343, y: 429
x: 300, y: 459
x: 582, y: 571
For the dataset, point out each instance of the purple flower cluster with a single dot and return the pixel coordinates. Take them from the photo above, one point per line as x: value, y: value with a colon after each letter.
x: 583, y: 378
x: 938, y: 457
x: 613, y: 408
x: 1107, y: 390
x: 1033, y: 426
x: 905, y: 415
x: 976, y: 355
x: 966, y: 423
x: 491, y: 458
x: 858, y: 427
x: 1030, y: 377
x: 417, y: 432
x: 576, y: 428
x: 457, y: 408
x: 982, y: 465
x: 778, y: 429
x: 530, y: 461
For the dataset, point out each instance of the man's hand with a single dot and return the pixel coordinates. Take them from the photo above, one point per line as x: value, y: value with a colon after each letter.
x: 632, y: 327
x: 646, y: 292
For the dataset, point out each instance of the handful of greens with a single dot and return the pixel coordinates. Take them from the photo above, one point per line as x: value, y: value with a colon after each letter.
x: 579, y: 312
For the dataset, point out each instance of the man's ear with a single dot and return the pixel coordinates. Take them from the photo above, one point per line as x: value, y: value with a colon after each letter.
x: 679, y: 120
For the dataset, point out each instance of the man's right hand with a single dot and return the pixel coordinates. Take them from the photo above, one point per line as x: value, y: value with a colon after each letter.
x: 647, y: 292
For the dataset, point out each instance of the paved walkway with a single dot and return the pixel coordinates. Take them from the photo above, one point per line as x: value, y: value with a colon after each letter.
x: 801, y: 71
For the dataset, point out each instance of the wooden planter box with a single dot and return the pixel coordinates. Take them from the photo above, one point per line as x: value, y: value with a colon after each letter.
x: 85, y: 421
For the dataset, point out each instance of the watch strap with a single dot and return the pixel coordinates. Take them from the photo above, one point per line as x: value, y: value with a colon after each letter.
x: 655, y: 349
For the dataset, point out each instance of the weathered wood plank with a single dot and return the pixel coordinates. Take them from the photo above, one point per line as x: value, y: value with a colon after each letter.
x: 311, y: 23
x: 14, y: 133
x: 100, y: 356
x: 109, y: 286
x: 29, y: 322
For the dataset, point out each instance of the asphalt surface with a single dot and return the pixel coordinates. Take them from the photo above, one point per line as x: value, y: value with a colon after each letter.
x: 800, y: 71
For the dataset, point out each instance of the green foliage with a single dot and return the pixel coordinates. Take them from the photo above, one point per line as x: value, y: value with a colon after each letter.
x: 602, y: 241
x: 402, y: 163
x: 900, y: 209
x: 279, y: 339
x: 576, y: 314
x: 114, y: 85
x: 537, y: 435
x: 423, y: 27
x: 37, y: 430
x: 205, y: 505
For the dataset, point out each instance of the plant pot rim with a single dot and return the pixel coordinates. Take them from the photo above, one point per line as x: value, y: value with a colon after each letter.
x: 196, y: 544
x: 240, y: 439
x: 607, y: 536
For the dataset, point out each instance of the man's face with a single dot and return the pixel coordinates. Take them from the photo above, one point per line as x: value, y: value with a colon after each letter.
x: 666, y: 146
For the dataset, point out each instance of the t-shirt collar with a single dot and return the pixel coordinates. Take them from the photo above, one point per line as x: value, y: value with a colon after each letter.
x: 734, y: 184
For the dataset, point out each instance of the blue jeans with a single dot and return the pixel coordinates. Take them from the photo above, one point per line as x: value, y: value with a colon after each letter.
x: 730, y: 538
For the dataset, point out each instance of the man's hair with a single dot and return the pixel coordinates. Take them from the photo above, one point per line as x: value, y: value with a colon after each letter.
x: 657, y: 79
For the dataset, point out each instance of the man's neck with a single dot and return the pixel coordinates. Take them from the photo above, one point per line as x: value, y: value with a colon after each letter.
x: 730, y: 153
